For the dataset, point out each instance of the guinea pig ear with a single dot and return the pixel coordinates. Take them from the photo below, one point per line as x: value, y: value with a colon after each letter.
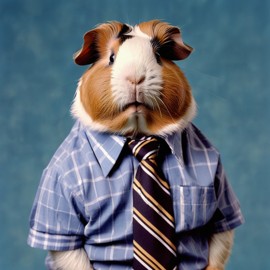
x: 88, y: 54
x: 174, y: 48
x: 96, y: 41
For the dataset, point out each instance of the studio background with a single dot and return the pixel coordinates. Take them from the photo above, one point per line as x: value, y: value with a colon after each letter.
x: 228, y: 71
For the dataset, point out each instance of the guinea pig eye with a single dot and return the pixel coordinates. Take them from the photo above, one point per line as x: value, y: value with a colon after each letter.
x: 112, y: 57
x: 157, y: 55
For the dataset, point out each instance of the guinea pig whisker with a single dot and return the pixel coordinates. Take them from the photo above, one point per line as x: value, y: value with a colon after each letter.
x: 166, y: 107
x: 157, y: 105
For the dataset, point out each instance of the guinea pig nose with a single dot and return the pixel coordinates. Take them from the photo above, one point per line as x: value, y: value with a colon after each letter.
x: 136, y: 80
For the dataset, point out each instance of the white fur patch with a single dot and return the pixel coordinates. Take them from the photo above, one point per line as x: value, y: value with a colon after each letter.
x: 135, y: 60
x: 220, y: 248
x: 70, y: 260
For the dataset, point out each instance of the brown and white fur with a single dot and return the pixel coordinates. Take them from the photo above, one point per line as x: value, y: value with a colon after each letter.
x: 133, y: 86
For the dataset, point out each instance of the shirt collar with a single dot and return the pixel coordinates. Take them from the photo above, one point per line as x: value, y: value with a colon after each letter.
x: 107, y: 147
x: 174, y: 141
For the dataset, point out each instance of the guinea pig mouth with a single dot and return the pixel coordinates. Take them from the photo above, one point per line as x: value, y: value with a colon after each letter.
x: 135, y: 104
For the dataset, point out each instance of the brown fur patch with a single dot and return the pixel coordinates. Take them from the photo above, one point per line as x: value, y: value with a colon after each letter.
x: 97, y: 100
x: 158, y: 29
x: 176, y: 98
x: 166, y: 39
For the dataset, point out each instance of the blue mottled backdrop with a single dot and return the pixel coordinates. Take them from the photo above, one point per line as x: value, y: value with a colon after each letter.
x: 229, y: 73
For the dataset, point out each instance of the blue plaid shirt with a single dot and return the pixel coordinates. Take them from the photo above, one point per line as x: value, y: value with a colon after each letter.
x: 85, y: 198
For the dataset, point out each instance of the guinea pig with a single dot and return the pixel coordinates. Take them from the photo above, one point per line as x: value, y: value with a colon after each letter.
x: 133, y: 88
x: 143, y: 91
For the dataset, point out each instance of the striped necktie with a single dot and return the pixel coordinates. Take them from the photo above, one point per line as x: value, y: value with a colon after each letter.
x: 153, y: 221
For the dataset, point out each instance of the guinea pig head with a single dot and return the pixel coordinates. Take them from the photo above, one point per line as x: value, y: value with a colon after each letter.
x: 133, y: 86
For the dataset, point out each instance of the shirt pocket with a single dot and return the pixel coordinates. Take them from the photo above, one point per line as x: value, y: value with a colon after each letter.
x: 194, y: 206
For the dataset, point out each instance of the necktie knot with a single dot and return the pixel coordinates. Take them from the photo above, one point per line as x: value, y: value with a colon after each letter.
x: 145, y: 148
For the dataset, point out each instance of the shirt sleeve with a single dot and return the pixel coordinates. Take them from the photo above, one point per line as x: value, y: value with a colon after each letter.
x: 228, y: 214
x: 56, y: 221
